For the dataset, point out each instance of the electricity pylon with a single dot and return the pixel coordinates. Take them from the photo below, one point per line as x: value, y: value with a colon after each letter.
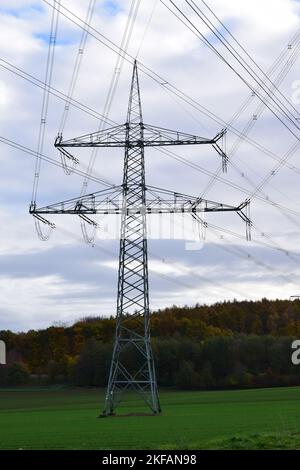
x: 132, y: 365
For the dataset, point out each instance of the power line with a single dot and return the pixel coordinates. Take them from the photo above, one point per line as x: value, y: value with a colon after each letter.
x: 164, y: 260
x: 44, y: 110
x: 276, y: 106
x: 86, y: 109
x: 77, y: 65
x: 133, y: 286
x: 295, y: 147
x: 265, y: 75
x: 54, y: 91
x: 243, y: 254
x: 155, y: 3
x: 251, y: 123
x: 97, y: 115
x: 134, y: 8
x: 293, y: 45
x: 291, y: 254
x: 282, y: 209
x: 173, y: 89
x: 166, y: 83
x: 197, y: 167
x: 52, y: 161
x: 158, y: 79
x: 269, y: 201
x: 202, y: 38
x: 33, y: 80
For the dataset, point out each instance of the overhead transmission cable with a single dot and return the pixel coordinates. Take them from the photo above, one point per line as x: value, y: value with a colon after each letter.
x: 135, y: 4
x: 43, y: 119
x: 251, y: 123
x: 106, y: 183
x: 266, y: 76
x: 77, y: 65
x: 171, y: 279
x: 152, y: 11
x: 66, y: 158
x: 259, y: 110
x: 236, y: 251
x: 208, y: 24
x: 288, y: 64
x: 275, y: 105
x: 86, y: 109
x: 292, y: 45
x: 150, y: 73
x: 41, y: 155
x: 246, y: 130
x: 188, y: 23
x: 97, y: 115
x: 243, y: 254
x: 54, y: 91
x: 285, y: 158
x: 284, y: 210
x: 110, y: 41
x: 202, y: 170
x: 95, y: 177
x: 192, y: 28
x: 172, y: 155
x: 271, y: 245
x: 261, y: 233
x: 45, y: 102
x: 215, y: 176
x: 157, y: 78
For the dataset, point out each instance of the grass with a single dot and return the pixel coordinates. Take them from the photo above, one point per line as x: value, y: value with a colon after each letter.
x: 280, y: 441
x: 67, y: 419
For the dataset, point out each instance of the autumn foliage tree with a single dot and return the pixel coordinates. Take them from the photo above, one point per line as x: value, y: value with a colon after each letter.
x: 225, y: 345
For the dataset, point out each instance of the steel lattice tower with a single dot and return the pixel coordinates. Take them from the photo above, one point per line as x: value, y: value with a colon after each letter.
x: 132, y: 365
x: 133, y: 290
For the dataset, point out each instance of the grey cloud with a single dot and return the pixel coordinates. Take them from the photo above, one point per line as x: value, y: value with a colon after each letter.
x: 210, y: 274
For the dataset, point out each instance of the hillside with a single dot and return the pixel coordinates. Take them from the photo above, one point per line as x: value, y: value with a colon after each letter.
x: 226, y: 345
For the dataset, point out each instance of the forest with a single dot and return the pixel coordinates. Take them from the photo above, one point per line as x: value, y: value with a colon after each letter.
x: 226, y: 345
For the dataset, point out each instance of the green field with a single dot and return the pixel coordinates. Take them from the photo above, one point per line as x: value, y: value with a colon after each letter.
x: 67, y: 419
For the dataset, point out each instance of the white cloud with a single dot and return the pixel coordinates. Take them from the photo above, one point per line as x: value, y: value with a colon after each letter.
x: 264, y: 27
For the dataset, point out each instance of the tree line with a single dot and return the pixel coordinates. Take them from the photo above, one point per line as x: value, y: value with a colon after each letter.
x: 226, y: 345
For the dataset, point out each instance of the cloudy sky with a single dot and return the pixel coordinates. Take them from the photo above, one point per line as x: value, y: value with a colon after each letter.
x: 65, y: 279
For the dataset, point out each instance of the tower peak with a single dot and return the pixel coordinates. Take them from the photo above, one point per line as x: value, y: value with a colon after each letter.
x: 134, y: 114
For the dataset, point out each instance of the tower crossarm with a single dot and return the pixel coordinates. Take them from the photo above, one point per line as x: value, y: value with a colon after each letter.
x: 152, y: 136
x: 159, y: 137
x: 158, y: 201
x: 110, y: 137
x: 166, y: 201
x: 93, y: 203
